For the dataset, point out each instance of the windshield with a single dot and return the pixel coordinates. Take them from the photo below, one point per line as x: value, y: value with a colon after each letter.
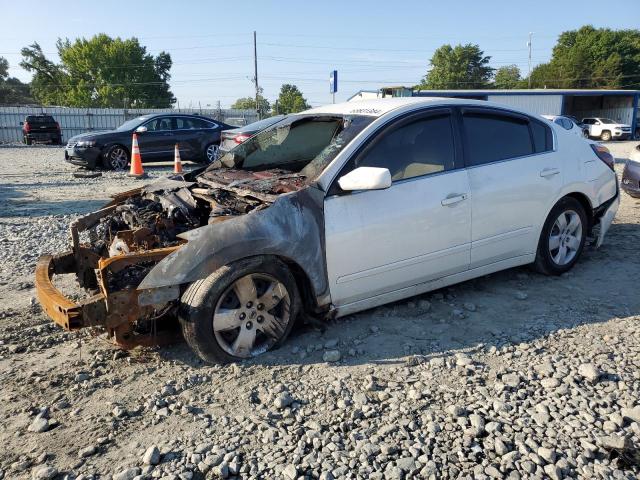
x: 131, y: 124
x: 299, y: 143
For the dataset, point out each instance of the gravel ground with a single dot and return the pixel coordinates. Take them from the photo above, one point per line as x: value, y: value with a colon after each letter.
x: 513, y: 375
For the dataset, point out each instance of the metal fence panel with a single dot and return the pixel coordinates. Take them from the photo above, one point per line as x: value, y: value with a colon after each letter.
x: 74, y: 121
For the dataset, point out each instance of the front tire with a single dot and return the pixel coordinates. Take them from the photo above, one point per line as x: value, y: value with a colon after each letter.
x: 116, y: 158
x: 562, y: 238
x: 605, y: 136
x: 241, y: 310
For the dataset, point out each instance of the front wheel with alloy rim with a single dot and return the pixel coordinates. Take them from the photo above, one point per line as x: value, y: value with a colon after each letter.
x: 116, y: 157
x: 605, y: 136
x: 241, y: 310
x: 563, y: 237
x: 211, y: 152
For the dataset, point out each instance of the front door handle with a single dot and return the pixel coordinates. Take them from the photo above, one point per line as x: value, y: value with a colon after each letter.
x: 549, y: 172
x: 453, y: 199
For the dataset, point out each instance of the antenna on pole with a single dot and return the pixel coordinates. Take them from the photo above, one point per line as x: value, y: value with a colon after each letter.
x: 529, y: 45
x: 255, y: 72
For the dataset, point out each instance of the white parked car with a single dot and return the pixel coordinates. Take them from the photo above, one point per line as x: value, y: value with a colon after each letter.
x: 343, y: 208
x: 606, y: 129
x: 568, y: 124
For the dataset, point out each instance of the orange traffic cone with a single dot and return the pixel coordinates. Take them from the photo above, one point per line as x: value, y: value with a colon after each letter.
x: 177, y: 163
x: 136, y: 160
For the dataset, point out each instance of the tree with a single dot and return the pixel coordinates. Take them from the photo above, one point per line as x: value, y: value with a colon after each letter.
x: 12, y: 90
x: 507, y: 77
x: 291, y: 100
x: 249, y: 103
x: 100, y: 72
x: 592, y: 58
x: 459, y: 67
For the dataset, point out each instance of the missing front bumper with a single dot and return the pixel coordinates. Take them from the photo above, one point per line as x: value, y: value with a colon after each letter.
x: 119, y: 313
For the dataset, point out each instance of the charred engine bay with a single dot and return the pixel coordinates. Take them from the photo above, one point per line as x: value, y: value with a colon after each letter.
x: 164, y: 209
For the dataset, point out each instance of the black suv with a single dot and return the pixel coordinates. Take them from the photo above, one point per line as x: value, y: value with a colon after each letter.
x: 41, y: 128
x: 198, y: 139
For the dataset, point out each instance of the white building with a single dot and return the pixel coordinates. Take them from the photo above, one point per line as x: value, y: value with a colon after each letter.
x: 619, y: 105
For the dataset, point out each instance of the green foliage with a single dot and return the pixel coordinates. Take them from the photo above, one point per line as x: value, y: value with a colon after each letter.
x: 4, y: 68
x: 249, y: 103
x: 459, y: 67
x: 592, y: 58
x: 100, y: 72
x: 507, y: 77
x: 12, y: 90
x: 291, y: 100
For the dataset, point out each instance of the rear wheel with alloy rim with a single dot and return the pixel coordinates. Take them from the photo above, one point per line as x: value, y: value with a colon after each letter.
x: 211, y: 152
x: 563, y: 237
x: 115, y: 157
x: 241, y: 310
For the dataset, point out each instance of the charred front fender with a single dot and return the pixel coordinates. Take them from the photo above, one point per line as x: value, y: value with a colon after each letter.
x: 291, y: 228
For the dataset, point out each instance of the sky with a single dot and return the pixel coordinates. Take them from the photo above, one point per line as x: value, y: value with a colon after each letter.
x: 371, y: 44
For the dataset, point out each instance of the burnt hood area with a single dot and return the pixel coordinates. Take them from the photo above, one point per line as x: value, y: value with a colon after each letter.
x: 154, y: 216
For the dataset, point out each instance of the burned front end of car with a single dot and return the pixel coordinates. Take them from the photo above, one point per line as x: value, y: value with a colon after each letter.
x: 115, y: 248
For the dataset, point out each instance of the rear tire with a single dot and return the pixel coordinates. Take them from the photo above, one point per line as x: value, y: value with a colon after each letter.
x: 211, y: 153
x: 213, y: 316
x: 605, y: 136
x: 562, y: 238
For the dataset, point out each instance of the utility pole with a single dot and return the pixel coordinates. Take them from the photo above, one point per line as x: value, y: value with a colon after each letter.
x: 255, y: 72
x: 529, y: 45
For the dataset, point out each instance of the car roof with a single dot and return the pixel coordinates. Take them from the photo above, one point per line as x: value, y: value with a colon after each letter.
x: 147, y: 116
x: 381, y: 106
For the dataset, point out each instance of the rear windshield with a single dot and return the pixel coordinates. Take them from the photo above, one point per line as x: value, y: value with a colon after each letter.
x: 299, y: 143
x: 40, y: 119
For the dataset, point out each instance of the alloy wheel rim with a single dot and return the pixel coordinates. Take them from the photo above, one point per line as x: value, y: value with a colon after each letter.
x: 565, y: 237
x: 118, y: 159
x: 212, y: 152
x: 252, y: 315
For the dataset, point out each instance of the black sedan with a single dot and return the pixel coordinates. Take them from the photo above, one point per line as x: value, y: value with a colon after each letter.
x: 198, y: 139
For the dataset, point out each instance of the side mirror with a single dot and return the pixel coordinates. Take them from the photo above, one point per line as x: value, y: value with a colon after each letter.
x: 365, y: 178
x: 597, y: 123
x: 141, y: 129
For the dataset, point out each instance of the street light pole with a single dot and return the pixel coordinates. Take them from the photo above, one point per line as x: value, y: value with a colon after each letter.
x: 255, y: 72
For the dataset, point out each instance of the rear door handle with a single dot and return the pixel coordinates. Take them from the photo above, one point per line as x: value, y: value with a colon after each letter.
x: 453, y: 199
x: 549, y: 172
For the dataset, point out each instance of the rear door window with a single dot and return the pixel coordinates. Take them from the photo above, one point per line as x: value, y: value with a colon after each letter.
x: 491, y: 137
x: 186, y: 123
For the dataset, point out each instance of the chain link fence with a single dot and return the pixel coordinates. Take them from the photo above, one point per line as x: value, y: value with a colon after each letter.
x: 74, y: 121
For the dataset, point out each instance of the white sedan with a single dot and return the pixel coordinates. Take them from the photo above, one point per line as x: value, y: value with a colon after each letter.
x: 346, y: 207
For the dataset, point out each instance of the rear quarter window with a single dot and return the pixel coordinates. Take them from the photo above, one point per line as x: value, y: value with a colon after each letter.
x: 542, y: 136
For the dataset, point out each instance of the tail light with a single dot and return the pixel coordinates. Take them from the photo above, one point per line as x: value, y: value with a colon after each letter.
x: 241, y: 138
x: 604, y: 154
x: 27, y: 127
